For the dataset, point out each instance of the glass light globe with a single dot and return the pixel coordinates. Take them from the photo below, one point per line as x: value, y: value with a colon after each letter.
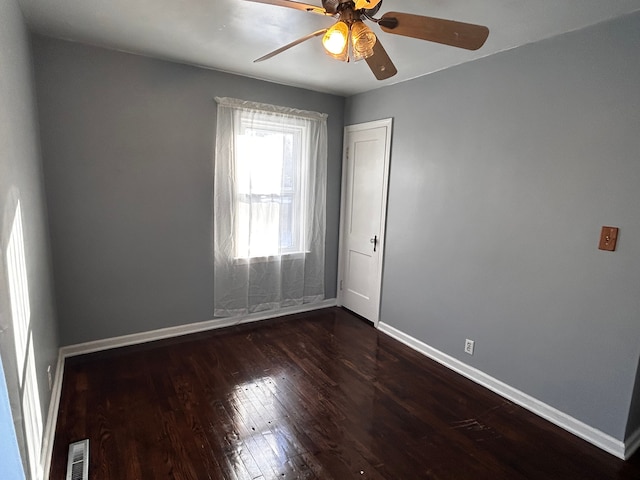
x: 363, y: 40
x: 335, y: 40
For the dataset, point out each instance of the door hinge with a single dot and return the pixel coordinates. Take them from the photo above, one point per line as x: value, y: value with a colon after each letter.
x: 340, y: 284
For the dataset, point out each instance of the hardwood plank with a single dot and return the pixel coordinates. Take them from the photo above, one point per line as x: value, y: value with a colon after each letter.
x: 319, y: 395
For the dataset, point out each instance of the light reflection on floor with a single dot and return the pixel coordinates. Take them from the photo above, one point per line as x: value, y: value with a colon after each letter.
x: 265, y: 436
x: 259, y: 437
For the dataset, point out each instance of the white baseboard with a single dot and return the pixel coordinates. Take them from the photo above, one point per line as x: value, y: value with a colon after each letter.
x: 152, y: 335
x: 631, y: 444
x: 592, y: 435
x: 144, y: 337
x: 52, y: 418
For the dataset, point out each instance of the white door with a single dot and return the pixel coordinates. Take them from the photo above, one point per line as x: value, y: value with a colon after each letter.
x: 364, y: 203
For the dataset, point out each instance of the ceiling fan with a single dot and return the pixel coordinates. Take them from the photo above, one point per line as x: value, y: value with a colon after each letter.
x: 350, y: 39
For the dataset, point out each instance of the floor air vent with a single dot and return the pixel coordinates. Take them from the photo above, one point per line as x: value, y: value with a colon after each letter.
x: 78, y: 462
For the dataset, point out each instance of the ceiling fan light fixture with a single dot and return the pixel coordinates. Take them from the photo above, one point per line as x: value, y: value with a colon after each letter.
x: 336, y: 41
x: 362, y: 40
x: 349, y: 39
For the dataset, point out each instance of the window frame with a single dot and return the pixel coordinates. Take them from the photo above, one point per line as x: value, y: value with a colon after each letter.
x: 299, y: 193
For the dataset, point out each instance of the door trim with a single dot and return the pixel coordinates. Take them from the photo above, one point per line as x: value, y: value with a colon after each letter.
x: 388, y: 124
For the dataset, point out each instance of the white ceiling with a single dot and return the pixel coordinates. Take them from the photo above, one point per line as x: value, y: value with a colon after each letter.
x: 228, y: 35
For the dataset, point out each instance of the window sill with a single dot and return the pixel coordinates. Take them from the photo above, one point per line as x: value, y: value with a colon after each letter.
x: 271, y: 258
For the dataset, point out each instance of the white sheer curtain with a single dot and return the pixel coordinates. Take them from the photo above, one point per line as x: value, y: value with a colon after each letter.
x: 269, y: 207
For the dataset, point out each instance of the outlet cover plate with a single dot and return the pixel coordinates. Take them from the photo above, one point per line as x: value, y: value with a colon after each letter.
x: 468, y: 346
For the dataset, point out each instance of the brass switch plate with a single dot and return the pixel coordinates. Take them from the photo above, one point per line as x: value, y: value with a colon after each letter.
x: 608, y: 238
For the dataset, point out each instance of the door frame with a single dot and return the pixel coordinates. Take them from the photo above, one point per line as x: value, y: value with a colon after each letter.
x: 388, y: 124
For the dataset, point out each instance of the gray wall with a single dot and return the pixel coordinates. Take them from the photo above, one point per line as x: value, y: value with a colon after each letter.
x: 502, y: 173
x: 128, y: 144
x: 633, y: 423
x: 21, y: 181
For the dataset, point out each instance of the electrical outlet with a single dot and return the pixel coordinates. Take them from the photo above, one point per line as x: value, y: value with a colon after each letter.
x: 468, y: 346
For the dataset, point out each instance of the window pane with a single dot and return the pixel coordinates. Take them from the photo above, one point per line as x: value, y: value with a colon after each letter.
x: 265, y: 231
x: 287, y: 240
x: 270, y: 188
x: 259, y: 164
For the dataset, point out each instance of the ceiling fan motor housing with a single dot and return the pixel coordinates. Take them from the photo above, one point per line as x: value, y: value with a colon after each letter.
x: 338, y: 6
x: 331, y: 6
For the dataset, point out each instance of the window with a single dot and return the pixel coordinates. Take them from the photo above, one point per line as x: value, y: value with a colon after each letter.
x: 271, y: 166
x: 269, y: 196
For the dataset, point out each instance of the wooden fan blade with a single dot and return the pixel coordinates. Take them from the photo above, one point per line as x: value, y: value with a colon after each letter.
x: 289, y: 45
x: 296, y: 5
x: 380, y: 63
x: 447, y: 32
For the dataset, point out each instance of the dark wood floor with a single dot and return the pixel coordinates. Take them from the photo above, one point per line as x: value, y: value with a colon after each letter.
x: 321, y: 395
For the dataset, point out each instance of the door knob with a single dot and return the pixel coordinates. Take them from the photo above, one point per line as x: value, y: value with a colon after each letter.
x: 374, y: 240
